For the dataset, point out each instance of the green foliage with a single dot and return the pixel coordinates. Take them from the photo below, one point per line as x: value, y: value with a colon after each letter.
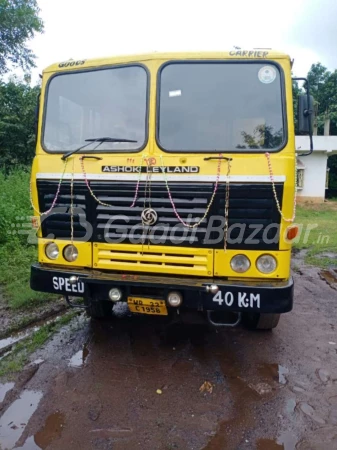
x: 323, y: 87
x: 321, y: 239
x: 19, y: 22
x: 16, y: 255
x: 14, y: 204
x: 296, y: 92
x: 17, y: 123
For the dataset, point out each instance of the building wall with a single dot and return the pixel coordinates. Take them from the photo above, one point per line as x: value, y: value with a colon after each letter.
x: 314, y: 177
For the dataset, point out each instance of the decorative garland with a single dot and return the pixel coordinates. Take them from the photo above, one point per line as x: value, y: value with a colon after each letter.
x: 271, y: 175
x: 56, y: 195
x: 211, y: 200
x: 98, y: 200
x: 72, y: 203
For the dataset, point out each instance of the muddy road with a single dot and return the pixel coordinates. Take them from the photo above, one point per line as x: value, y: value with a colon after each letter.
x: 115, y: 385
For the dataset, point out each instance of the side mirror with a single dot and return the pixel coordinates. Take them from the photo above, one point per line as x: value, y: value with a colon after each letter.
x: 305, y: 114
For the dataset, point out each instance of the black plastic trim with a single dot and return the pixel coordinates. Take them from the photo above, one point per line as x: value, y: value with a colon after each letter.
x: 211, y: 61
x: 95, y: 69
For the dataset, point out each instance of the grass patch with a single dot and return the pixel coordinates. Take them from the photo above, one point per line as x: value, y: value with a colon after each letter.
x: 322, y: 238
x: 16, y: 360
x: 15, y: 262
x: 16, y: 254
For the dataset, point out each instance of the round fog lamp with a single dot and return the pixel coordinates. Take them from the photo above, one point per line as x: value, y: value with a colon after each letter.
x: 115, y: 294
x: 266, y: 264
x: 70, y: 253
x: 174, y: 299
x: 240, y: 263
x: 52, y: 250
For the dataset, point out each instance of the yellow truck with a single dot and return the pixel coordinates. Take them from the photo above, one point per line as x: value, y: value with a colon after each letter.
x: 166, y: 182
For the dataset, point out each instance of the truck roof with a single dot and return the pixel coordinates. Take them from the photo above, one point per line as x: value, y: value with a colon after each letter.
x: 239, y: 54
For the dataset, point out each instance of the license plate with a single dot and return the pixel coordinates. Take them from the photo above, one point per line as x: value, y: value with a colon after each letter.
x: 147, y: 306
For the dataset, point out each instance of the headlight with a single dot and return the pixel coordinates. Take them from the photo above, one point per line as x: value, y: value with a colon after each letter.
x: 52, y: 250
x: 240, y: 263
x: 266, y: 263
x: 70, y: 253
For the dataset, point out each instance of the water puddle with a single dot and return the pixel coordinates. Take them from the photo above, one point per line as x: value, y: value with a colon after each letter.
x: 6, y: 343
x: 9, y: 341
x: 16, y: 417
x: 51, y: 430
x: 329, y: 275
x: 29, y: 445
x: 79, y: 358
x: 286, y: 441
x: 4, y: 388
x: 275, y: 372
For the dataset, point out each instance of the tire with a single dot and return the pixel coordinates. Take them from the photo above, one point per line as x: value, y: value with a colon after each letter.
x: 256, y: 321
x: 99, y: 310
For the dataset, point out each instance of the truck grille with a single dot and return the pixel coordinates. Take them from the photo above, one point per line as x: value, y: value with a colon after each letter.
x: 143, y: 259
x: 252, y: 207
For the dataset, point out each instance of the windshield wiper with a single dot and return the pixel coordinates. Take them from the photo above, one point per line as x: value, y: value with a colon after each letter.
x: 99, y: 140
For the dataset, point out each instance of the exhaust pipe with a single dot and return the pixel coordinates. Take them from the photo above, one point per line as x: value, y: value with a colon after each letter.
x: 220, y: 319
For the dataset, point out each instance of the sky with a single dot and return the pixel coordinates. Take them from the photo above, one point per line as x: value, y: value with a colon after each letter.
x: 80, y: 29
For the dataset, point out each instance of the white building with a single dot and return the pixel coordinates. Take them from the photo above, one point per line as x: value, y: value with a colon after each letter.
x: 312, y: 171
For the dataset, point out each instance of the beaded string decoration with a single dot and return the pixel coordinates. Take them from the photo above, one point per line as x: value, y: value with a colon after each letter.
x: 227, y: 204
x: 187, y: 225
x: 271, y: 176
x: 211, y: 200
x: 97, y: 199
x: 72, y: 203
x: 56, y: 195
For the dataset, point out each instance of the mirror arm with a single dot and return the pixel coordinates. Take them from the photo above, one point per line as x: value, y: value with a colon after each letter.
x: 308, y: 112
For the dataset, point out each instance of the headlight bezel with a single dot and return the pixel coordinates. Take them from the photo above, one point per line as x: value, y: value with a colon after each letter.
x: 47, y: 251
x: 272, y: 258
x: 74, y: 249
x: 246, y: 259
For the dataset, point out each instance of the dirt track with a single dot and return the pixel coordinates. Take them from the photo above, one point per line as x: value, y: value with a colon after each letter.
x: 269, y: 390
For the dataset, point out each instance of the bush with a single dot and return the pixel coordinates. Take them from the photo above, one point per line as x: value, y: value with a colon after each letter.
x: 15, y: 206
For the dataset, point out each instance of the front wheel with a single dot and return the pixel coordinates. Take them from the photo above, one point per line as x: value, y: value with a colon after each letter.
x: 256, y: 321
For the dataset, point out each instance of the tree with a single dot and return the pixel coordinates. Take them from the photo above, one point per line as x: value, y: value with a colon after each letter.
x: 19, y: 22
x: 18, y: 101
x: 323, y: 87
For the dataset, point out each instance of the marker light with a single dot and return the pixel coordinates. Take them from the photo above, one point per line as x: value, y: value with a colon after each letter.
x: 292, y: 232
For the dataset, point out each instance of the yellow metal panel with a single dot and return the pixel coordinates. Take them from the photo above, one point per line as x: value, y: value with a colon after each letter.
x: 84, y: 253
x: 153, y: 259
x: 222, y: 264
x: 258, y: 55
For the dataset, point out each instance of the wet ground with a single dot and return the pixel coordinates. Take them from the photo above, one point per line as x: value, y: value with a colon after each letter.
x: 115, y: 385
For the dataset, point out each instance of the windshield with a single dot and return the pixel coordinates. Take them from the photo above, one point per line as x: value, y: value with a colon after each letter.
x: 220, y: 107
x: 106, y: 102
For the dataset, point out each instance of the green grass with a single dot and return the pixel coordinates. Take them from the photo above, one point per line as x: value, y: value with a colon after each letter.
x: 16, y: 253
x: 322, y: 238
x: 19, y: 356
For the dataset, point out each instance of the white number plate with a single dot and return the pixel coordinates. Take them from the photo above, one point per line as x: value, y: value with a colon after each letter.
x: 239, y: 299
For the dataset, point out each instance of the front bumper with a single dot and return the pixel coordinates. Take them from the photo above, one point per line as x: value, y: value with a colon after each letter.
x: 259, y: 296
